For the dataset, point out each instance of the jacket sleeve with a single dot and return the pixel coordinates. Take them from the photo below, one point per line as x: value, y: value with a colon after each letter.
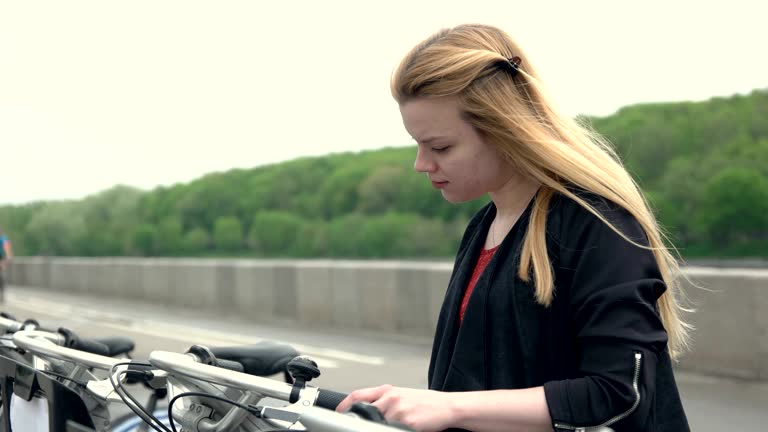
x: 614, y: 320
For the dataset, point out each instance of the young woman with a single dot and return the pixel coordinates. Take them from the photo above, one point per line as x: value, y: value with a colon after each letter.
x: 561, y: 311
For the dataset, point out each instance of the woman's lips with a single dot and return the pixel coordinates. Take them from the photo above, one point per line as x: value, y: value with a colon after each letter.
x: 439, y: 184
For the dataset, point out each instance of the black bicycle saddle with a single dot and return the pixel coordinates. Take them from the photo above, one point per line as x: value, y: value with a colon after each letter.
x: 117, y: 344
x: 261, y: 359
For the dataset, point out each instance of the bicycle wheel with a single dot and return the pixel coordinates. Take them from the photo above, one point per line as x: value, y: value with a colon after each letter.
x: 131, y: 422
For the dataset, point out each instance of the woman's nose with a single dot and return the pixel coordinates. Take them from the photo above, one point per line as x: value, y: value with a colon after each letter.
x: 423, y: 163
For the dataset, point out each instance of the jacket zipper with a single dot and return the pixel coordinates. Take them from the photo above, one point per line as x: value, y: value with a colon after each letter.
x: 603, y: 427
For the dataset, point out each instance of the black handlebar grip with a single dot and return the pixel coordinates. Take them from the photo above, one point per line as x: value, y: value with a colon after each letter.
x: 400, y: 426
x: 230, y: 364
x: 369, y: 412
x: 329, y: 399
x: 71, y: 340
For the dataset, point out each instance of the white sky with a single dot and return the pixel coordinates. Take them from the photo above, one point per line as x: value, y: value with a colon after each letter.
x: 96, y: 93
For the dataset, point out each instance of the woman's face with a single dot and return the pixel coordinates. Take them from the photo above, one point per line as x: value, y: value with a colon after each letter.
x: 455, y: 157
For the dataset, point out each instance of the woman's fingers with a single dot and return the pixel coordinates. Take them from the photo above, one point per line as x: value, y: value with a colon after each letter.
x: 369, y: 395
x: 387, y: 403
x: 422, y: 410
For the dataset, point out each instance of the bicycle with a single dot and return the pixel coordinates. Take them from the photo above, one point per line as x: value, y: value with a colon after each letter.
x: 216, y: 388
x: 209, y: 381
x: 40, y: 390
x: 223, y: 395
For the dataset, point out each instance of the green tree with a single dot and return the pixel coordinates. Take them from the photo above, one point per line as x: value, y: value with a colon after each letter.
x: 688, y: 157
x: 344, y: 236
x: 339, y: 191
x: 170, y: 236
x: 145, y: 239
x: 427, y: 238
x: 403, y: 235
x: 57, y: 229
x: 228, y: 234
x: 734, y: 207
x: 196, y: 241
x: 108, y: 217
x: 379, y: 190
x: 312, y: 239
x: 275, y: 233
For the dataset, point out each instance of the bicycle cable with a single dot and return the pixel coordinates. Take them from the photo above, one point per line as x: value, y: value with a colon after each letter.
x: 136, y: 407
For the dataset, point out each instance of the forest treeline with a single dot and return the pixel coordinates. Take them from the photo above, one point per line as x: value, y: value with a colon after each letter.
x: 703, y: 166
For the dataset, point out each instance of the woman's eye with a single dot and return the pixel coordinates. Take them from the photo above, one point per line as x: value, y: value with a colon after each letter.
x: 439, y: 149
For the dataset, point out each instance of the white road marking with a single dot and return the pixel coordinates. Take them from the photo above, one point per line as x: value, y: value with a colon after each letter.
x: 323, y: 356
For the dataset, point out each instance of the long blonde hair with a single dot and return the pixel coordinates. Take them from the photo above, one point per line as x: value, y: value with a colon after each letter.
x: 513, y: 113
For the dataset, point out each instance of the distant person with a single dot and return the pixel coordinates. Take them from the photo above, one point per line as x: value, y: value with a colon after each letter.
x: 6, y: 254
x: 561, y: 311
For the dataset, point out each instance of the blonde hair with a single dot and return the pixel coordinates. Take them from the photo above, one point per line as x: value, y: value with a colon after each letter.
x: 513, y: 113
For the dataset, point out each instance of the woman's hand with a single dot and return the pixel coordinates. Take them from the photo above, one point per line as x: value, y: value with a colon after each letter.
x: 423, y: 410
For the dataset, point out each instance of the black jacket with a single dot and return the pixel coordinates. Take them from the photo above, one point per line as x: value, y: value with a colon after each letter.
x: 601, y: 338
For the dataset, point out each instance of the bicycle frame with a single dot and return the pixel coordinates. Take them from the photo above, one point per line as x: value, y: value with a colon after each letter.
x: 188, y: 375
x: 196, y: 416
x: 181, y: 373
x: 66, y: 401
x: 97, y: 394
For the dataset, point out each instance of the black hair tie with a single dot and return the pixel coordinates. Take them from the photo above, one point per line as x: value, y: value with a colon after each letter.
x: 511, y: 65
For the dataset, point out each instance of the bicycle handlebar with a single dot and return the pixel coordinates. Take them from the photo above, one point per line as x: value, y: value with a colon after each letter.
x: 205, y: 355
x: 329, y: 399
x: 62, y: 346
x: 54, y: 345
x: 186, y: 365
x: 322, y: 420
x: 315, y: 405
x: 9, y: 325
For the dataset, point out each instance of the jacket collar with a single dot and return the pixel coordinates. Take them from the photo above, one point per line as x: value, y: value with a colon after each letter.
x: 471, y: 335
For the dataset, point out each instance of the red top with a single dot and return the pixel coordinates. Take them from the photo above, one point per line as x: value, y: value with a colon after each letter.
x: 482, y: 263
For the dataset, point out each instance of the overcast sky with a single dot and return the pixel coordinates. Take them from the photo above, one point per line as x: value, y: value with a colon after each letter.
x: 144, y: 93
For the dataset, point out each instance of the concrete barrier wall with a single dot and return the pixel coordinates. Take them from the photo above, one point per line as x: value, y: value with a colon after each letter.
x: 397, y: 297
x: 731, y: 320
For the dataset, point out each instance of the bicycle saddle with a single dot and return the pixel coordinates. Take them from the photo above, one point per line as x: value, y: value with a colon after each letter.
x: 261, y: 359
x: 117, y: 344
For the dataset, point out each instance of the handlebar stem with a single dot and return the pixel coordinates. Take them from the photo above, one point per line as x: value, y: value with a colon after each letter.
x: 231, y: 419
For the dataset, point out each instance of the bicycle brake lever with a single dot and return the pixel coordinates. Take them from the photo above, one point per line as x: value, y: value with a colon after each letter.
x: 281, y: 414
